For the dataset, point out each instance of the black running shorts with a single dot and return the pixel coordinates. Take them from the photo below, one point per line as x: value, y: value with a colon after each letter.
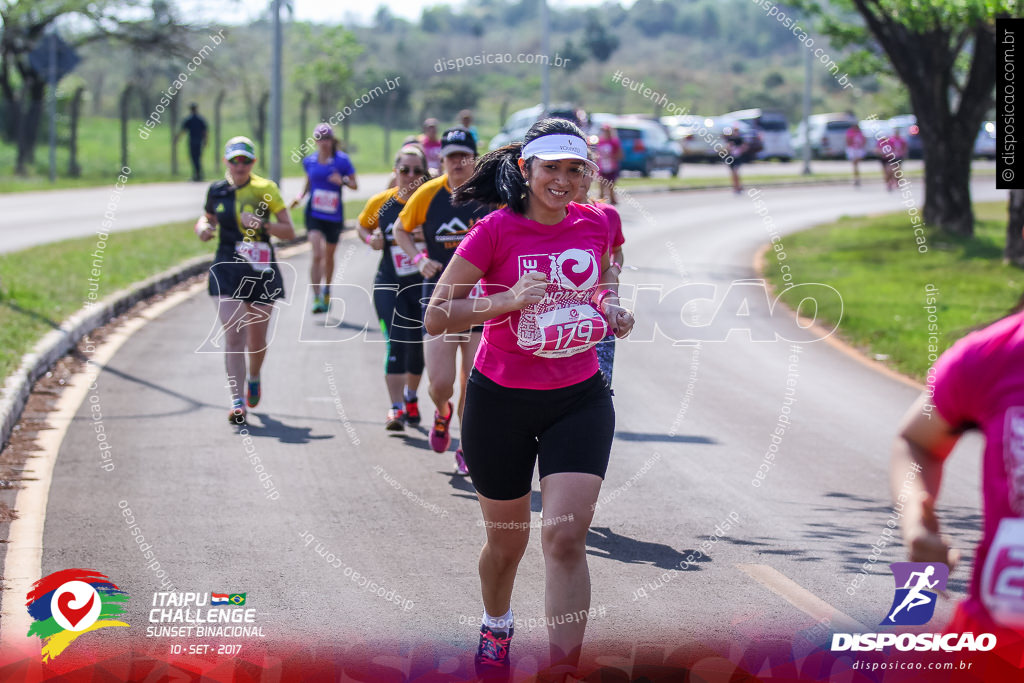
x: 505, y: 431
x: 330, y: 229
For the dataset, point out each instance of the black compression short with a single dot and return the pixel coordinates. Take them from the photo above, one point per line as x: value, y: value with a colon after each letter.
x: 505, y: 431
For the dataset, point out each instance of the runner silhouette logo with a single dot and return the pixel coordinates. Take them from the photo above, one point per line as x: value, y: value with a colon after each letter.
x: 917, y: 585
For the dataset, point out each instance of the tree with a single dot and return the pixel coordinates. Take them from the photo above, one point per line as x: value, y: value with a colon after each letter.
x: 328, y: 65
x: 944, y: 53
x: 22, y: 88
x: 1014, y: 241
x: 598, y: 39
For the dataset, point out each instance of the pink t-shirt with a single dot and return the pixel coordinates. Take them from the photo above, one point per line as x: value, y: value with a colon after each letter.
x: 547, y: 345
x: 979, y: 382
x: 614, y: 226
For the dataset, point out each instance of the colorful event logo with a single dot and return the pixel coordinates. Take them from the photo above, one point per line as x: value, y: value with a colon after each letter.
x: 68, y: 603
x: 917, y: 584
x: 228, y: 599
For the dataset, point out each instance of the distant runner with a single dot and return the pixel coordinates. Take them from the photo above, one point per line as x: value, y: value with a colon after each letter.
x: 397, y: 289
x: 245, y: 278
x: 327, y: 170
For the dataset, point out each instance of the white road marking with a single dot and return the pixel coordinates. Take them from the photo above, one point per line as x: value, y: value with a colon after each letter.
x: 801, y: 598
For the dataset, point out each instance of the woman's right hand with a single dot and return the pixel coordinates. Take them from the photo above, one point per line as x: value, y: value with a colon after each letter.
x: 528, y: 290
x: 925, y: 543
x: 376, y: 240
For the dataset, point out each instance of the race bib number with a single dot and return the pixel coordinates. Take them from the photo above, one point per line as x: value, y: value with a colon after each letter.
x: 256, y: 253
x: 1002, y: 579
x: 326, y: 201
x: 403, y: 264
x: 568, y: 331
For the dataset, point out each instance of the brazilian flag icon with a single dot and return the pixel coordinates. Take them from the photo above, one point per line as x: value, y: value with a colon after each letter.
x: 237, y: 598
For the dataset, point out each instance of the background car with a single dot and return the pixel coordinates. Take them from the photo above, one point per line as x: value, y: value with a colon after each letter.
x: 827, y: 135
x: 685, y: 130
x: 985, y: 143
x: 519, y: 123
x: 773, y: 129
x: 646, y: 146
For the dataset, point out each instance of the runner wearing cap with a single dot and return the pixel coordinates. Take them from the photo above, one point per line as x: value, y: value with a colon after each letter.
x: 397, y: 289
x: 606, y: 347
x: 535, y: 395
x: 978, y: 383
x: 444, y: 226
x: 245, y: 278
x: 327, y: 170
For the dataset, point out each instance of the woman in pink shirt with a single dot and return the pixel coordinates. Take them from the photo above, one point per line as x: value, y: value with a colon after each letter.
x: 535, y: 394
x: 978, y: 384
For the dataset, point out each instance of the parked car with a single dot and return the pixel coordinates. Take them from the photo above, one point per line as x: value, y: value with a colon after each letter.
x: 685, y: 130
x: 646, y: 147
x: 827, y: 135
x: 985, y: 143
x: 773, y: 129
x: 910, y: 132
x: 519, y: 123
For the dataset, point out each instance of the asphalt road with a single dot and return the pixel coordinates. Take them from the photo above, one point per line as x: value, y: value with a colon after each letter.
x: 29, y: 216
x: 693, y: 426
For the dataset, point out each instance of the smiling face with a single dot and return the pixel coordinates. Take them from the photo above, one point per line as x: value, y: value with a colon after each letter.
x: 553, y: 184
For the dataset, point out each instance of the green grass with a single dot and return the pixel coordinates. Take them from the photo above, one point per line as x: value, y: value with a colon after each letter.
x: 42, y: 286
x: 99, y: 155
x: 875, y: 265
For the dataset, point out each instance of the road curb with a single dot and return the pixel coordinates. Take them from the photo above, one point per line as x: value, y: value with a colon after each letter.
x: 57, y: 343
x: 826, y: 335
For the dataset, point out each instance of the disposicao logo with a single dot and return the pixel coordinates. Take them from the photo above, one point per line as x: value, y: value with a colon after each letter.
x: 68, y: 603
x: 917, y: 587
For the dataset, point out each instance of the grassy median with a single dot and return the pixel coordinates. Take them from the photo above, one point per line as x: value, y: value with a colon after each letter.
x: 884, y: 282
x: 42, y: 286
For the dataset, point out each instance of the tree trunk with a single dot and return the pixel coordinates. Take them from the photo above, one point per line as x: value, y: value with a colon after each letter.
x: 261, y: 128
x: 74, y: 170
x: 173, y: 107
x: 125, y: 96
x: 1014, y: 252
x: 217, y: 139
x: 28, y: 128
x: 947, y: 181
x: 307, y: 97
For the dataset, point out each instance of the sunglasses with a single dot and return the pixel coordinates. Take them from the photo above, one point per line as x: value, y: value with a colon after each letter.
x: 405, y: 170
x: 240, y: 161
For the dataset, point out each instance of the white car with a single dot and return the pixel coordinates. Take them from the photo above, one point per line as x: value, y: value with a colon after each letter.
x: 985, y: 143
x: 694, y: 145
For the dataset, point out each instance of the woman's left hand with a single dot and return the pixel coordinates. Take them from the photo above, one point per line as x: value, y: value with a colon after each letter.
x: 336, y: 178
x: 620, y: 319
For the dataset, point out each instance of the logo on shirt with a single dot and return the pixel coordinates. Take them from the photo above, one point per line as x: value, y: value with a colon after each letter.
x: 917, y: 587
x: 574, y: 269
x: 452, y: 232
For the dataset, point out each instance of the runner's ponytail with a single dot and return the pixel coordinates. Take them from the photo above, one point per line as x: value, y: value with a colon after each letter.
x: 496, y: 180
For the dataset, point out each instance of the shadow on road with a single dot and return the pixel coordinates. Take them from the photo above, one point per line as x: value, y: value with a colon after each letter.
x: 832, y: 525
x: 274, y: 428
x: 603, y: 542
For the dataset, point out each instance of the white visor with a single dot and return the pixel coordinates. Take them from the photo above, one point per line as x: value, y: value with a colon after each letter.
x: 554, y: 147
